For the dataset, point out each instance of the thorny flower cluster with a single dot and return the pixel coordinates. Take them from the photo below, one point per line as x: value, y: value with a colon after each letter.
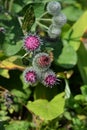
x: 41, y: 61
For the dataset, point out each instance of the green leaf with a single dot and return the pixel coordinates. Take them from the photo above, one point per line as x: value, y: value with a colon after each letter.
x: 3, y: 116
x: 84, y: 90
x: 4, y: 73
x: 29, y: 19
x: 79, y: 97
x: 71, y: 9
x: 48, y: 110
x: 13, y: 62
x: 17, y: 125
x: 10, y: 49
x: 38, y: 9
x: 16, y: 8
x: 21, y: 95
x: 82, y: 62
x: 5, y: 17
x: 68, y: 57
x: 75, y: 33
x: 69, y: 1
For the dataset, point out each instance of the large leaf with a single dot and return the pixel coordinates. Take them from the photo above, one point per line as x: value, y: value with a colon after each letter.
x: 75, y: 33
x: 48, y: 110
x: 68, y: 57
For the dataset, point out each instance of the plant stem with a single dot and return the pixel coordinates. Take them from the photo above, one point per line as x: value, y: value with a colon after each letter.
x: 67, y: 89
x: 20, y: 21
x: 44, y: 19
x: 6, y: 4
x: 26, y: 54
x: 43, y: 14
x: 42, y: 25
x: 10, y: 5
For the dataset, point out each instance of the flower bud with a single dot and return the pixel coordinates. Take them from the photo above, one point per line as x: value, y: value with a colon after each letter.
x: 53, y: 7
x: 54, y: 31
x: 60, y: 19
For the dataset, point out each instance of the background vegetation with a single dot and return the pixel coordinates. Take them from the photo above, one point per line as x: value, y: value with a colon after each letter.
x: 26, y: 107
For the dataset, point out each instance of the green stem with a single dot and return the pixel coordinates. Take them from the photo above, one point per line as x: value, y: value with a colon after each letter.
x: 42, y: 25
x: 5, y: 4
x: 20, y: 21
x: 10, y: 5
x: 26, y: 54
x: 44, y: 19
x: 43, y: 14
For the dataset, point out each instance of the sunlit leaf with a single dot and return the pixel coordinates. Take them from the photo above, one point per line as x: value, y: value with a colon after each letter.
x: 48, y: 110
x: 9, y: 64
x: 75, y: 33
x: 4, y: 73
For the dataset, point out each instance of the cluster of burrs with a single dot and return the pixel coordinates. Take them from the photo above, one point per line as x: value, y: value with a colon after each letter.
x: 40, y: 71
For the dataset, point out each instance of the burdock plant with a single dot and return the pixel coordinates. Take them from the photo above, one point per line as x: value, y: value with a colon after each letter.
x: 39, y: 69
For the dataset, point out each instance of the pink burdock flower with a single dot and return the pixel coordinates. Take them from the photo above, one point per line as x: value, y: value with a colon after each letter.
x: 49, y: 79
x: 32, y: 42
x: 41, y: 61
x: 30, y: 75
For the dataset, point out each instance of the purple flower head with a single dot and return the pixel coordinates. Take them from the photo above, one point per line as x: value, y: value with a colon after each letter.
x: 32, y: 42
x: 41, y: 61
x: 30, y: 75
x: 49, y: 79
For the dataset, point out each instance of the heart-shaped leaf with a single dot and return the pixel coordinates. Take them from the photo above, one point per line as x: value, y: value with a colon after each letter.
x: 48, y: 110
